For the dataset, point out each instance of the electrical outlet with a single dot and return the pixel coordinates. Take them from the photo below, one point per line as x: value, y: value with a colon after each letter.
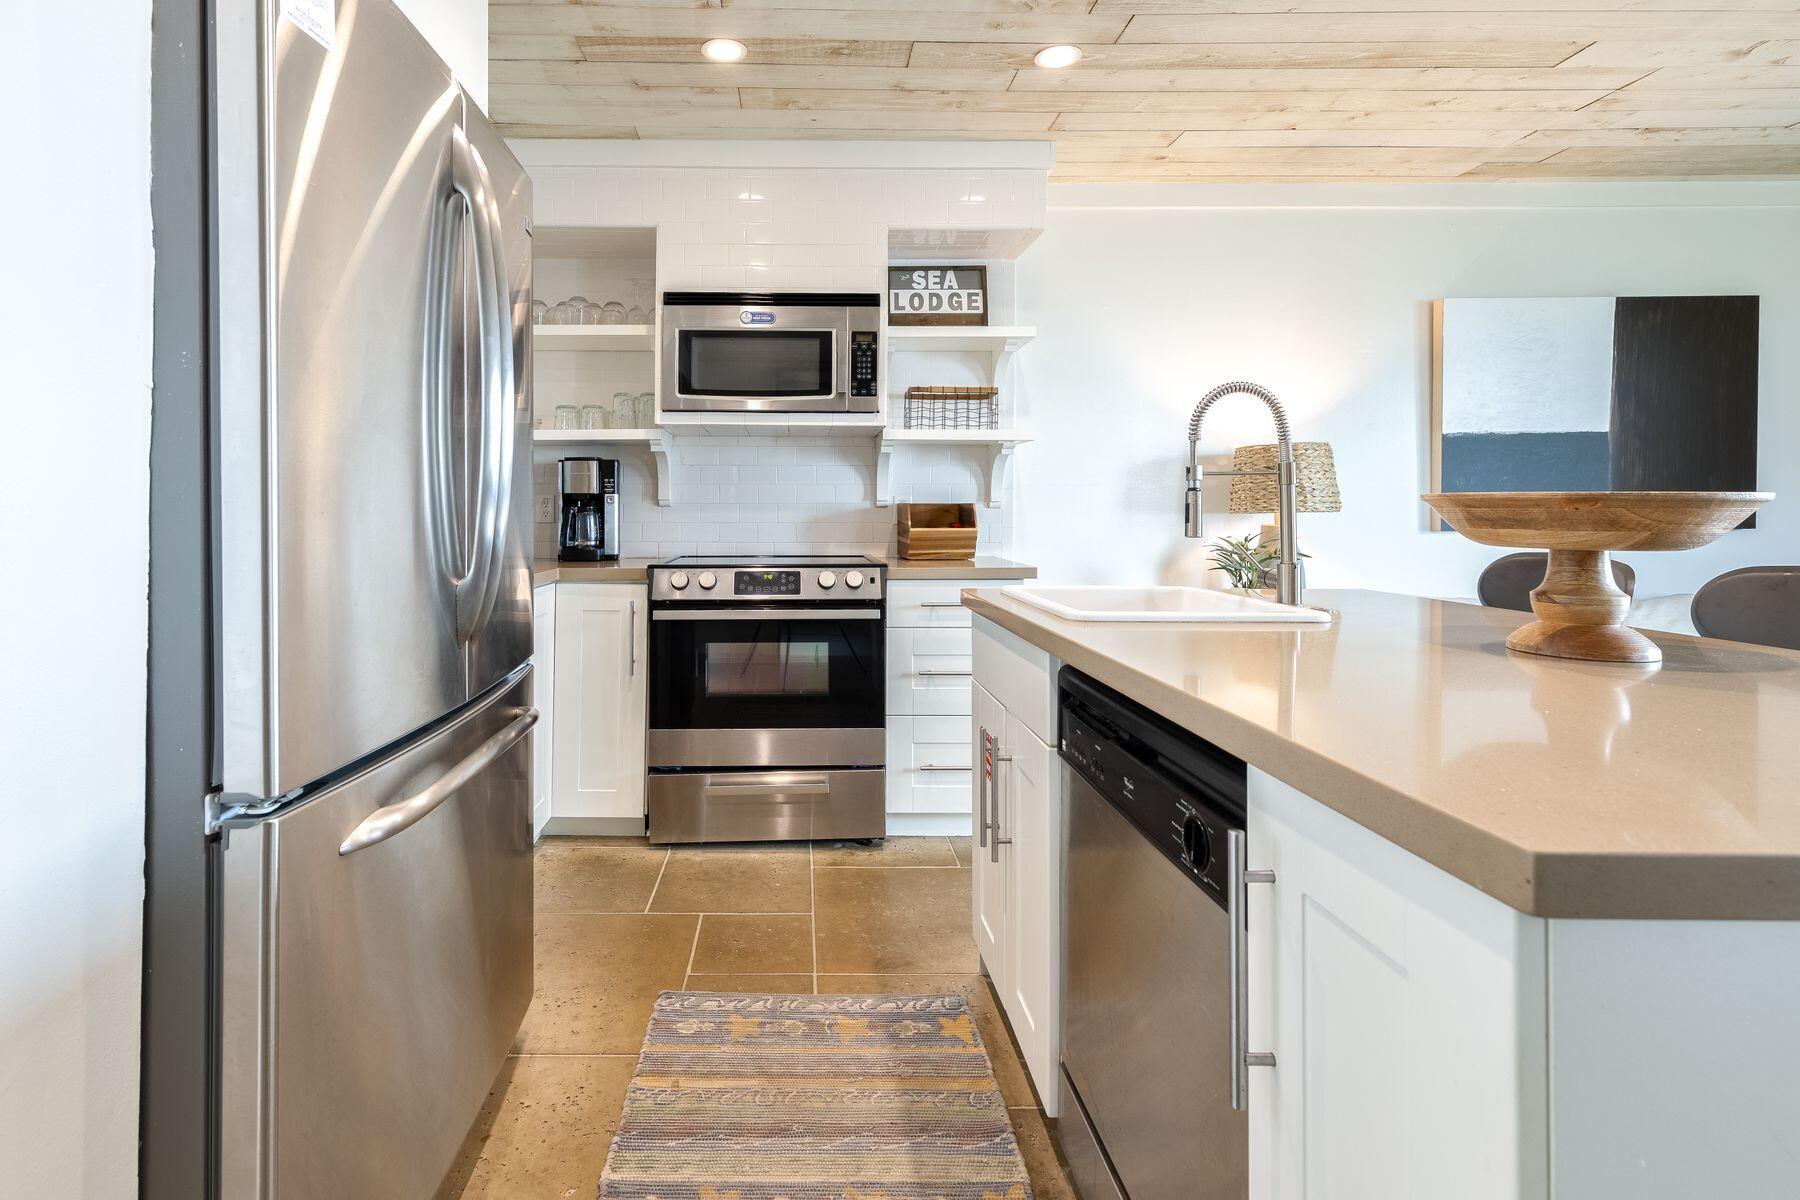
x: 544, y: 510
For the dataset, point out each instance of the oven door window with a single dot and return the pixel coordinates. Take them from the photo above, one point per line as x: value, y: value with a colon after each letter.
x: 782, y: 673
x: 768, y: 363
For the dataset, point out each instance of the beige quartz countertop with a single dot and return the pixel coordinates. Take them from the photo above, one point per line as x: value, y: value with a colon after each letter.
x: 980, y: 567
x: 631, y: 570
x: 626, y: 570
x: 1563, y: 789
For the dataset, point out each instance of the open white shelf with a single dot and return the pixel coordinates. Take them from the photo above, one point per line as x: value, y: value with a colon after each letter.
x: 595, y: 339
x: 1000, y: 444
x: 955, y: 437
x: 978, y: 339
x: 654, y: 440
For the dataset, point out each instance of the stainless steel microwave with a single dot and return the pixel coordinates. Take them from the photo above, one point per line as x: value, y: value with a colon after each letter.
x: 792, y: 352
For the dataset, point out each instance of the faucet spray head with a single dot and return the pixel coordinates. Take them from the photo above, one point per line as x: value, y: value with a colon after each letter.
x: 1195, y: 516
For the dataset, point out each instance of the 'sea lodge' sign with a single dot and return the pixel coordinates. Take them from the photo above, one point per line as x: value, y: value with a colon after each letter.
x: 937, y: 295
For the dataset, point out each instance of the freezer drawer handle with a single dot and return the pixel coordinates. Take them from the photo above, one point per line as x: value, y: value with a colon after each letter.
x: 390, y: 819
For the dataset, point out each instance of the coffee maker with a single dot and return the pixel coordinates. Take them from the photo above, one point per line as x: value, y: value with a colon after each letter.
x: 587, y: 523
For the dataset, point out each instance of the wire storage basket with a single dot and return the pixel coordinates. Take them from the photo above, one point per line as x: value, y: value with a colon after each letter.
x: 952, y: 408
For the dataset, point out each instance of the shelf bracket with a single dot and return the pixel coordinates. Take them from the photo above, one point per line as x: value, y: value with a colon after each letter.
x: 884, y: 472
x: 660, y: 452
x: 999, y: 464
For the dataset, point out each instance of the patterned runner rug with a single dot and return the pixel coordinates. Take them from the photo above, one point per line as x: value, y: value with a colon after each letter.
x: 764, y: 1097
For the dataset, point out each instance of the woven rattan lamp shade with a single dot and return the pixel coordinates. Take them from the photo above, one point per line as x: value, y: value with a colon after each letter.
x: 1315, y: 479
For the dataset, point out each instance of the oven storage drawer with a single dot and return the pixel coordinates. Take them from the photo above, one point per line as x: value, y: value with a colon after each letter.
x: 734, y: 806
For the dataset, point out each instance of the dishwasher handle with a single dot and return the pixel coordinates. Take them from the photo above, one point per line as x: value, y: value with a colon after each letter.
x: 1237, y: 903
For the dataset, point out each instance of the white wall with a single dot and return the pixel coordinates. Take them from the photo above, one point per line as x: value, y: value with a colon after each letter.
x: 73, y: 610
x: 1147, y: 295
x: 458, y: 31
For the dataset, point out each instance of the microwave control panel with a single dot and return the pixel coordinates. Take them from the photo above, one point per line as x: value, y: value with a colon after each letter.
x: 862, y: 362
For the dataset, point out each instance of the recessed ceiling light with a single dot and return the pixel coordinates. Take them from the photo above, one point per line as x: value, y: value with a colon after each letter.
x: 1052, y: 57
x: 724, y: 50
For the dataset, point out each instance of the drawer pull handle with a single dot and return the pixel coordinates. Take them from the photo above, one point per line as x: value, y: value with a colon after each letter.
x: 940, y: 604
x: 945, y: 674
x: 938, y: 767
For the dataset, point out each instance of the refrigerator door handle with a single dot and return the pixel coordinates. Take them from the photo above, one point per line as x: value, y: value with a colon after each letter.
x: 493, y: 495
x: 391, y: 819
x: 455, y: 559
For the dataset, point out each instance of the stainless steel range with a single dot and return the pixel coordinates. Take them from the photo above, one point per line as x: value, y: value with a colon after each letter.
x: 767, y: 698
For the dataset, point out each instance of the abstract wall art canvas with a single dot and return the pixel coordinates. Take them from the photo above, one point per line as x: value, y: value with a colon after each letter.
x: 1625, y: 393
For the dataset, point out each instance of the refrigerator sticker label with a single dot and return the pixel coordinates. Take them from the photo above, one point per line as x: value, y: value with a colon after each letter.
x: 317, y: 19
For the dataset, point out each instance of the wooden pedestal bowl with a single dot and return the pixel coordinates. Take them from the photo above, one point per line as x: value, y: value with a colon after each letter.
x: 1580, y: 611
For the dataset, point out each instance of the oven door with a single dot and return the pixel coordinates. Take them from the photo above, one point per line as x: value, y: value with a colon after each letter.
x: 775, y: 686
x: 755, y: 358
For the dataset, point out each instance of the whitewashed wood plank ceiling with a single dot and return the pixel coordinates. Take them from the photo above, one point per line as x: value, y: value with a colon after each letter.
x: 1190, y: 90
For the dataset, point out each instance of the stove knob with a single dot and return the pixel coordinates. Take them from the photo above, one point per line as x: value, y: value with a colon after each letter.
x: 853, y: 579
x: 678, y: 580
x: 708, y: 580
x: 827, y: 580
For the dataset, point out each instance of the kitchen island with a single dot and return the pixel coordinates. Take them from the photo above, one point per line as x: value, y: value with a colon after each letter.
x: 1534, y: 928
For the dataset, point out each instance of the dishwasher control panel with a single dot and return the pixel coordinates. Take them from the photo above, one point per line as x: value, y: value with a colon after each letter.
x: 1185, y: 795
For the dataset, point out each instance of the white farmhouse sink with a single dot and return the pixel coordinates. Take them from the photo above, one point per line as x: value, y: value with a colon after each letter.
x: 1186, y: 604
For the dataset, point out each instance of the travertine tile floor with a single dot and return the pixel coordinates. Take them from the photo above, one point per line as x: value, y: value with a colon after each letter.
x: 619, y: 920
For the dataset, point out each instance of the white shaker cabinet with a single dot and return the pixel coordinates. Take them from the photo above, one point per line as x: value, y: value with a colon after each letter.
x: 1017, y: 886
x: 599, y: 709
x: 930, y: 785
x: 543, y: 690
x: 1405, y: 1011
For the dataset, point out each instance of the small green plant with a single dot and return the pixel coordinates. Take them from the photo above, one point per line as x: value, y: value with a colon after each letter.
x: 1245, y: 560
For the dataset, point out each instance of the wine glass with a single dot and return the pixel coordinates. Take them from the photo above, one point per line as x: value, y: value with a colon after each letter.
x: 539, y: 312
x: 612, y: 313
x: 584, y: 310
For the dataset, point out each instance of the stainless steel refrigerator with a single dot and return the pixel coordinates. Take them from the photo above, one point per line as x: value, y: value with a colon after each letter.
x: 373, y: 694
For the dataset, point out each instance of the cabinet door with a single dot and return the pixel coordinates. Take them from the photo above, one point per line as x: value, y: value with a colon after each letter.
x: 1405, y: 1011
x: 993, y: 866
x: 1028, y: 808
x: 543, y: 688
x: 600, y: 702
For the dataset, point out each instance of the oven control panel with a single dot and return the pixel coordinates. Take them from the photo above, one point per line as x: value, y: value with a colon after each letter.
x: 765, y: 583
x: 725, y: 585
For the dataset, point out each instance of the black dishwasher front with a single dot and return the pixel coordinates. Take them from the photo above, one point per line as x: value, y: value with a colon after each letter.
x: 1155, y: 839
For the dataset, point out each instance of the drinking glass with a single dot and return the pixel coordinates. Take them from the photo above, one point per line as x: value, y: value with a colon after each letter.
x: 539, y: 311
x: 586, y: 312
x: 612, y: 313
x: 562, y: 313
x: 636, y: 316
x: 624, y: 414
x: 593, y: 416
x: 646, y: 409
x: 568, y: 417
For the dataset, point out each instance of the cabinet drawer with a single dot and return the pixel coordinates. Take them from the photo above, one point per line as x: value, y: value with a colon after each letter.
x: 929, y: 776
x: 926, y: 605
x: 928, y: 671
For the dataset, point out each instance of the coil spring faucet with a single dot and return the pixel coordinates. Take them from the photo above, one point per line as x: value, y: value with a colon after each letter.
x: 1287, y: 570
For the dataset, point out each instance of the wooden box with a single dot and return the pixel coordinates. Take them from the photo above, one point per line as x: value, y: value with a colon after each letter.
x: 935, y: 531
